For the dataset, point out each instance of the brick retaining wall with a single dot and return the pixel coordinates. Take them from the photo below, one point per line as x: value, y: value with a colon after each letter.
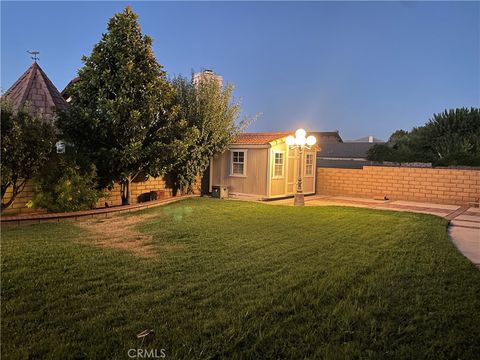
x: 443, y: 186
x: 18, y: 206
x: 114, y: 198
x: 137, y: 188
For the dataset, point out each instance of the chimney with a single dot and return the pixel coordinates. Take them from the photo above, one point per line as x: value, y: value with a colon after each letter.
x: 207, y: 74
x: 370, y: 139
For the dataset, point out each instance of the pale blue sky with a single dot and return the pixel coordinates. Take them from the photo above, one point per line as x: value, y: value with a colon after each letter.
x: 359, y: 67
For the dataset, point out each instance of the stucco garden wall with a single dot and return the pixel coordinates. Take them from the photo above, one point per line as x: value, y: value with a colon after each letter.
x: 443, y: 186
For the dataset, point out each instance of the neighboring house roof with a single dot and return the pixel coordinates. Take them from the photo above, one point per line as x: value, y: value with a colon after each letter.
x: 348, y: 150
x: 367, y: 139
x: 66, y: 91
x: 35, y: 92
x: 259, y: 138
x: 326, y: 136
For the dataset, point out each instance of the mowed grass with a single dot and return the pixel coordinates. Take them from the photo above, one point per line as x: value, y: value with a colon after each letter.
x: 231, y: 279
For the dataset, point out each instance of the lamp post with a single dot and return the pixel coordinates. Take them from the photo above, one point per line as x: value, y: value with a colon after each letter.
x: 300, y: 142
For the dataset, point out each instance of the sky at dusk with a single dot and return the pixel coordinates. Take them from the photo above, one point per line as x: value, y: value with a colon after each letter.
x: 364, y: 68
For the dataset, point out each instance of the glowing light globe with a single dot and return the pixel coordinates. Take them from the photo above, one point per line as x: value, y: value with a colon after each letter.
x: 300, y: 141
x: 290, y: 140
x: 311, y: 140
x: 300, y: 133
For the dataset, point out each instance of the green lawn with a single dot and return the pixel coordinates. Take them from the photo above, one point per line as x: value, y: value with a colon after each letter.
x: 232, y: 279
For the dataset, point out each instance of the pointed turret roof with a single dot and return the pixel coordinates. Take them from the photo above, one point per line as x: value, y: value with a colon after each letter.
x: 34, y: 91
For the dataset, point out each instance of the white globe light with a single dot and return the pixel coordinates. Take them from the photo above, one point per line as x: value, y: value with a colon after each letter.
x: 300, y: 133
x: 311, y: 140
x: 290, y: 140
x: 300, y: 141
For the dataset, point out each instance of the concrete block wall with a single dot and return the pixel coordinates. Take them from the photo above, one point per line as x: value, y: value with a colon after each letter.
x: 442, y: 186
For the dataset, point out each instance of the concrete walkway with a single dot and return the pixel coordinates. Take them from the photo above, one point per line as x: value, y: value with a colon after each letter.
x: 464, y: 226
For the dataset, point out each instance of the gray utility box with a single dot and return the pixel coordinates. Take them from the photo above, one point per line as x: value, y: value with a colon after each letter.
x: 220, y: 191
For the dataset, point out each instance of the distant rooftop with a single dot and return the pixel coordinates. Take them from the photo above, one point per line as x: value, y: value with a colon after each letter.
x: 35, y: 92
x: 367, y: 139
x: 346, y: 150
x: 66, y: 92
x: 326, y: 136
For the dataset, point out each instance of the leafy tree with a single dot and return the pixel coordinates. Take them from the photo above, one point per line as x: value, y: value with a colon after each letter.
x: 397, y: 136
x: 211, y: 115
x: 62, y: 185
x: 122, y: 111
x: 380, y: 152
x: 27, y: 142
x: 402, y: 146
x: 449, y: 138
x: 454, y: 136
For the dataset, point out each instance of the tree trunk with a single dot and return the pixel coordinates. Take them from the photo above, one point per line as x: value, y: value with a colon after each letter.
x: 5, y: 186
x: 17, y: 189
x: 125, y: 190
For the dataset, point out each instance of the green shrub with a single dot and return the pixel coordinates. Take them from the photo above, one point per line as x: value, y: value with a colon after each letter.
x: 63, y: 186
x: 449, y: 138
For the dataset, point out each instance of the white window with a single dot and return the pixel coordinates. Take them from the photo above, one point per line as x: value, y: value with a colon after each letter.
x: 238, y: 163
x: 309, y: 165
x: 278, y: 163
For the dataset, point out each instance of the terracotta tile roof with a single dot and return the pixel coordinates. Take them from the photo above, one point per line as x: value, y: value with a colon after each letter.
x: 259, y: 138
x: 267, y: 137
x: 36, y: 92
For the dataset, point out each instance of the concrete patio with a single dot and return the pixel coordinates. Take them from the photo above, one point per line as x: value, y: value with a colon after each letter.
x: 464, y: 226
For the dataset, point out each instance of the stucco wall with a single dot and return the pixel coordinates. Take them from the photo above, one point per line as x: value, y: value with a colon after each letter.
x: 443, y: 186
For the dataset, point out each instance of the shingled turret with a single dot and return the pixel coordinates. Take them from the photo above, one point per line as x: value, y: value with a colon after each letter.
x: 34, y: 92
